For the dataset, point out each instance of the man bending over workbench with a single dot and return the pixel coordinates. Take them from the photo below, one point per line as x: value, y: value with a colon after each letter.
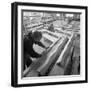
x: 29, y: 40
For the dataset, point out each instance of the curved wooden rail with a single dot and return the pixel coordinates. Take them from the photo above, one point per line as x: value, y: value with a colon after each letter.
x: 52, y: 57
x: 66, y: 52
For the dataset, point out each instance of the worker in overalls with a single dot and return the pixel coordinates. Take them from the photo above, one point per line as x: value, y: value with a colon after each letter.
x: 51, y: 28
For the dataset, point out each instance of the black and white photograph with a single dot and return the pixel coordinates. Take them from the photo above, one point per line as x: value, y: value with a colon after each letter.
x: 51, y: 44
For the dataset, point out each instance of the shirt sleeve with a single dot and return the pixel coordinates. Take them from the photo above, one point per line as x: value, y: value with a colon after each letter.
x: 34, y: 54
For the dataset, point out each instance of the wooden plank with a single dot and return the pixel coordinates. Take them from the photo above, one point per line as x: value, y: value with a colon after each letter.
x: 61, y: 60
x: 52, y: 57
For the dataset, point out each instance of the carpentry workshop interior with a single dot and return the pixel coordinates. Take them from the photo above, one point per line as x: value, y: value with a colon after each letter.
x: 60, y: 37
